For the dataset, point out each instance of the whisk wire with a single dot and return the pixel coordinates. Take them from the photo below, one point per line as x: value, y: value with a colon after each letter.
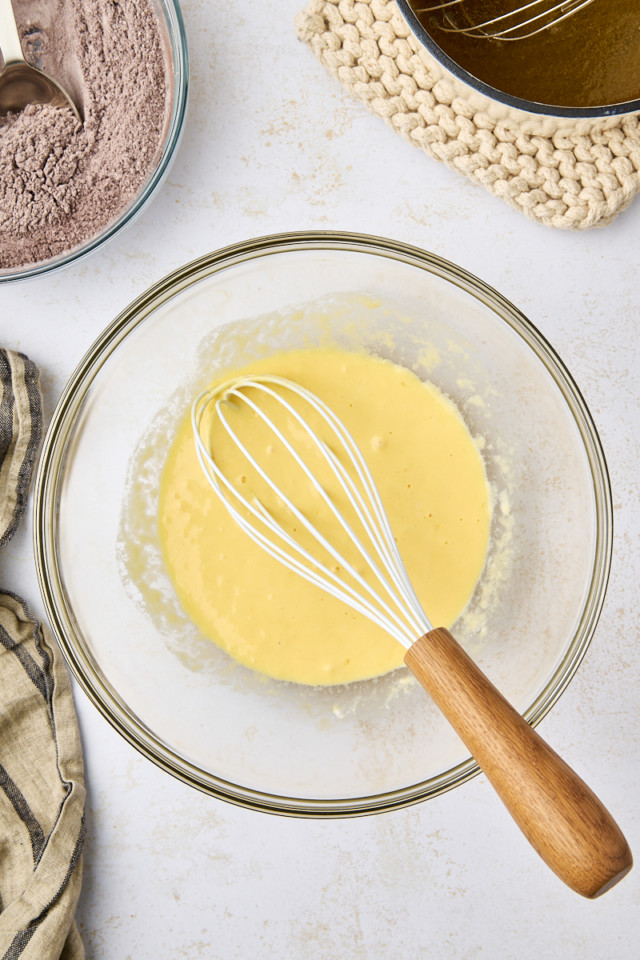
x: 405, y: 620
x: 334, y: 463
x: 379, y: 531
x: 339, y: 589
x: 377, y: 525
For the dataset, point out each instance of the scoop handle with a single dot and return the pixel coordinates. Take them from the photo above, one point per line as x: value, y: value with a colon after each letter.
x: 9, y: 36
x: 557, y: 812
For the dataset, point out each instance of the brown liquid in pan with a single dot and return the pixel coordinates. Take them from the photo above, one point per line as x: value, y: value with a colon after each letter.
x: 591, y: 59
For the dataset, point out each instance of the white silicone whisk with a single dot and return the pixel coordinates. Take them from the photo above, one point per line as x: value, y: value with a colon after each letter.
x: 560, y: 816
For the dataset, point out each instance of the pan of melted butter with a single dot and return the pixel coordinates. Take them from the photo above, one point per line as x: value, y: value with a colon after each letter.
x: 588, y: 60
x: 432, y: 481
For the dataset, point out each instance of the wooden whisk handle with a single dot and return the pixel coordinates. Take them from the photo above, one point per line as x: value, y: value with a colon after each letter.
x: 557, y: 812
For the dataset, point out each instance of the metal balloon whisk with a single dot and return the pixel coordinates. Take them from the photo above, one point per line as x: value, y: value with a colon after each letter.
x: 524, y: 20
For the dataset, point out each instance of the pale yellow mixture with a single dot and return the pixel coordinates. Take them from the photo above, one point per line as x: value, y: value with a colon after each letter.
x: 432, y: 482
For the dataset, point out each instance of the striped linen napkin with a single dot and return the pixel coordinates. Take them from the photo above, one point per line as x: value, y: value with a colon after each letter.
x: 42, y: 791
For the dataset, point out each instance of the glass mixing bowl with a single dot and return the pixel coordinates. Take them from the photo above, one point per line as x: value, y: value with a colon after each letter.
x: 175, y: 43
x: 181, y: 701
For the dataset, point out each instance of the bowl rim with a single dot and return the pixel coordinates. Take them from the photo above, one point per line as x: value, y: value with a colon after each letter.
x: 180, y: 56
x: 535, y: 107
x: 53, y: 458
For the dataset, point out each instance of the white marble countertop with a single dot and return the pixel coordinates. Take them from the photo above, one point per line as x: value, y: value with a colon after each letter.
x: 272, y: 144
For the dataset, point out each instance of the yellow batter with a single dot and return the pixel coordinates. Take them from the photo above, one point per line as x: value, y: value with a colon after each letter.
x: 432, y: 482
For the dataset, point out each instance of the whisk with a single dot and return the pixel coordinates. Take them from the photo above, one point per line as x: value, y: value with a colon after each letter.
x: 525, y: 20
x: 557, y: 812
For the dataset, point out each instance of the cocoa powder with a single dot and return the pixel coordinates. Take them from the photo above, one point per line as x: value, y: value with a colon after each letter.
x: 61, y: 182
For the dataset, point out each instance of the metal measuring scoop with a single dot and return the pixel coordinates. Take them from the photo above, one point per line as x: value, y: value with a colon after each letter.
x: 20, y: 83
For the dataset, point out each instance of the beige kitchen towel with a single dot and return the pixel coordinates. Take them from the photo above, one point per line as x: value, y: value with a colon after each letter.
x: 42, y: 791
x: 569, y: 182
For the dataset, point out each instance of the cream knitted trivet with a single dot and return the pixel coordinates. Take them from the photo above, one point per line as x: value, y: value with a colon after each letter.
x: 571, y: 182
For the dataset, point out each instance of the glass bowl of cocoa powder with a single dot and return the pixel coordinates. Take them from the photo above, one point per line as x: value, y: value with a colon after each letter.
x: 66, y: 188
